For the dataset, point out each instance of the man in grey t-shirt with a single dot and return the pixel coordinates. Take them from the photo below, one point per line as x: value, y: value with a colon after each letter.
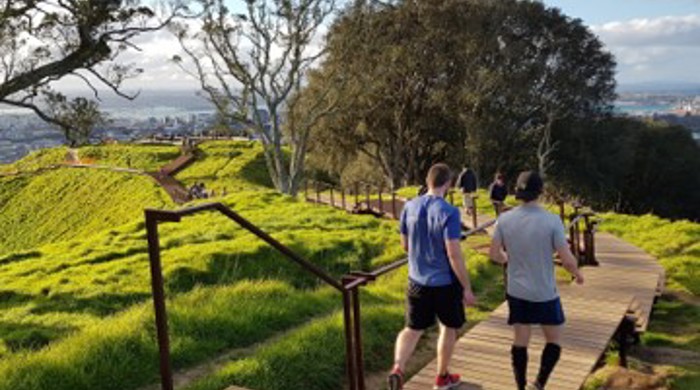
x: 526, y: 239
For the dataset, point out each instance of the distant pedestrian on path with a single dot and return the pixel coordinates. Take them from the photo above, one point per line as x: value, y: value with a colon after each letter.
x: 438, y: 283
x: 498, y: 193
x: 531, y: 236
x: 467, y: 184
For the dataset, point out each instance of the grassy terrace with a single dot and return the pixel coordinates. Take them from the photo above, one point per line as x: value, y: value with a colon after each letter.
x: 75, y: 303
x: 75, y: 310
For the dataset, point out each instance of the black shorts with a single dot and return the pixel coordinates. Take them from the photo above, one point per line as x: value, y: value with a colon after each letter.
x: 425, y: 303
x: 535, y: 313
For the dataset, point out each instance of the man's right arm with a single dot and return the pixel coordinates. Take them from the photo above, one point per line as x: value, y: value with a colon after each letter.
x: 454, y: 253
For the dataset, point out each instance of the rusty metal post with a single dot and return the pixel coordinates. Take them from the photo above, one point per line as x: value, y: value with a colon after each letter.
x: 166, y: 372
x: 332, y: 198
x: 393, y: 204
x: 359, y: 360
x: 350, y: 357
x: 572, y: 241
x: 306, y: 190
x: 624, y: 332
x: 562, y: 211
x: 381, y: 202
x: 589, y: 241
x: 357, y: 194
x: 318, y: 193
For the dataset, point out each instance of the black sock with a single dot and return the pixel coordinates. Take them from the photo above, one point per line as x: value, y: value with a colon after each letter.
x: 550, y: 357
x: 519, y: 358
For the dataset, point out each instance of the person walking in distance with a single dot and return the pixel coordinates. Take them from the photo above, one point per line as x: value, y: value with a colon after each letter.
x: 438, y: 283
x: 467, y: 185
x: 531, y: 235
x: 498, y: 193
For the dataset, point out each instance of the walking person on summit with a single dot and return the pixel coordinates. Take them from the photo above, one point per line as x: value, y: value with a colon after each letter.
x: 438, y: 283
x: 531, y: 236
x: 498, y: 193
x: 467, y: 184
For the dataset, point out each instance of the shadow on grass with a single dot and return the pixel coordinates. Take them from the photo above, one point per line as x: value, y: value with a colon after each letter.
x: 10, y: 299
x: 98, y: 305
x: 255, y: 171
x: 675, y: 324
x: 20, y: 256
x: 18, y: 337
x: 266, y: 263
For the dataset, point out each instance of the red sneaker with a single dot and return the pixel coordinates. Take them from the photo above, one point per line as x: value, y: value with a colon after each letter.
x: 396, y: 380
x: 447, y: 382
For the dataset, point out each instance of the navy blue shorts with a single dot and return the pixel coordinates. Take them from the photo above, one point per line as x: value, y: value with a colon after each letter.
x: 535, y: 313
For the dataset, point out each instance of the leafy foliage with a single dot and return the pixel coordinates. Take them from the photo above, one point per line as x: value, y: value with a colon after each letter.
x: 42, y: 41
x: 631, y: 167
x: 428, y: 79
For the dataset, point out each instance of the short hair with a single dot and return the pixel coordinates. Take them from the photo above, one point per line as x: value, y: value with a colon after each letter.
x: 500, y: 176
x: 438, y: 175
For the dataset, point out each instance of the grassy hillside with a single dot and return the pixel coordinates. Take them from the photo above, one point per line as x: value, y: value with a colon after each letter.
x: 76, y: 314
x: 228, y: 166
x: 36, y: 160
x: 75, y: 310
x: 70, y: 203
x: 143, y: 157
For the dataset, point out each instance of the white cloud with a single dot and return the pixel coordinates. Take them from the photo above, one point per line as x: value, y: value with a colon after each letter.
x: 659, y: 49
x: 668, y: 31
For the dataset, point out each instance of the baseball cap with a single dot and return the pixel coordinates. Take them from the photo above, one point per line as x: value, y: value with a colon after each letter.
x: 529, y: 186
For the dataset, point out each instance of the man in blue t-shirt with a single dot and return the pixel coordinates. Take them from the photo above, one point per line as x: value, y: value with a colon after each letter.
x: 438, y: 280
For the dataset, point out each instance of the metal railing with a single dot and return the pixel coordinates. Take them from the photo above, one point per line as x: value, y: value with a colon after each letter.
x: 367, y: 197
x: 348, y: 286
x: 582, y: 238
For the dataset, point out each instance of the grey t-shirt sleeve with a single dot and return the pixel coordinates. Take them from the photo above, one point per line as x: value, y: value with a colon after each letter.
x: 559, y: 235
x: 497, y: 233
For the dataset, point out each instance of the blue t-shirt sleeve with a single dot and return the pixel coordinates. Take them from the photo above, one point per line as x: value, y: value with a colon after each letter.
x: 403, y: 227
x: 559, y: 236
x: 453, y: 226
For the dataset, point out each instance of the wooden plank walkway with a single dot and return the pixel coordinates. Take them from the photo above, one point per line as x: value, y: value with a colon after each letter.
x: 626, y: 283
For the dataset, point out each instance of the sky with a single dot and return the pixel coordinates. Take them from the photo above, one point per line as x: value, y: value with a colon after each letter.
x: 653, y: 41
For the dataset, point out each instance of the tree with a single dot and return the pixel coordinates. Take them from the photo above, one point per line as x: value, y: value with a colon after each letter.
x: 440, y: 78
x: 42, y: 41
x: 252, y: 67
x: 79, y: 118
x: 630, y: 166
x: 534, y: 67
x: 401, y: 91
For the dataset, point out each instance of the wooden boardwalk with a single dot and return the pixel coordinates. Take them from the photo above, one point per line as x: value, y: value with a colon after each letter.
x: 624, y: 285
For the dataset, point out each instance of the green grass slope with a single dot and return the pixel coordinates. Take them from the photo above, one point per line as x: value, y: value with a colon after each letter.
x: 36, y: 160
x: 70, y: 203
x: 143, y: 157
x: 228, y: 166
x: 76, y: 314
